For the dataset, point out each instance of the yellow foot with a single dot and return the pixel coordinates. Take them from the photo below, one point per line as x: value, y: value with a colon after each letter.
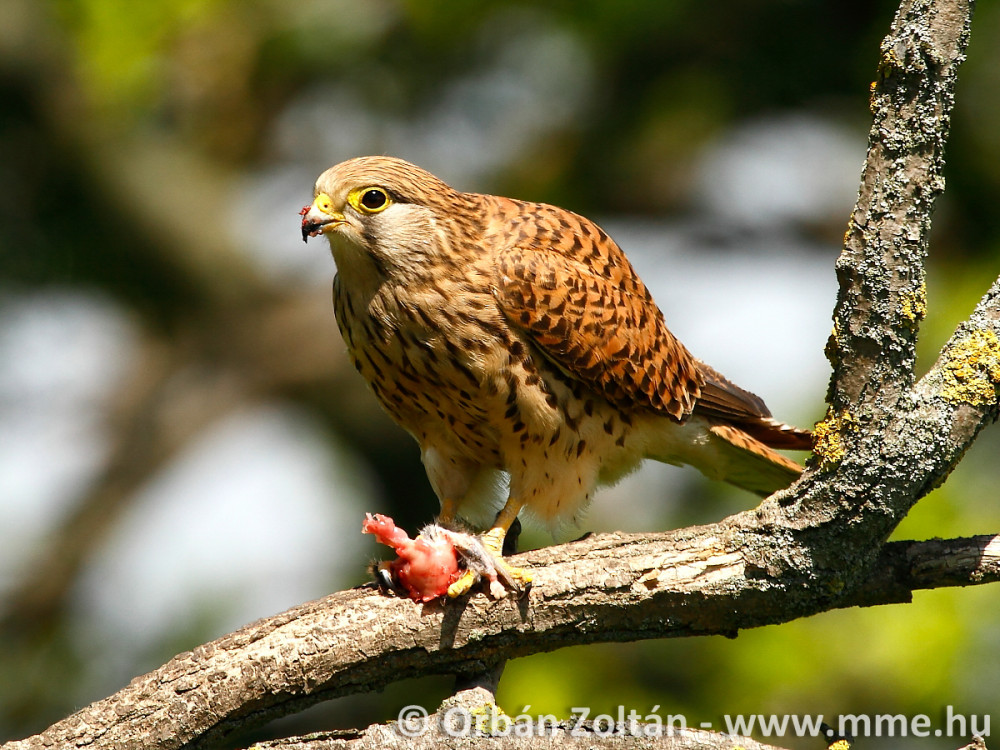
x: 483, y: 560
x: 516, y: 579
x: 462, y: 585
x: 502, y: 577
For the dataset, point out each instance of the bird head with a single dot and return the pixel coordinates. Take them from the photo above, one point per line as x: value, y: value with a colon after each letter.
x: 386, y: 208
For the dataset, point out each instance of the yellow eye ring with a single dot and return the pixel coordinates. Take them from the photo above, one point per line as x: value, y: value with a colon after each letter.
x: 369, y: 200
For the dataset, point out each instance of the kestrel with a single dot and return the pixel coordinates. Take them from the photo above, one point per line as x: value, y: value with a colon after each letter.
x: 515, y: 336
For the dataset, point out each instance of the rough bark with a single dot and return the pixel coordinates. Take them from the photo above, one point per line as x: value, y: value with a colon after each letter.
x: 380, y: 736
x: 461, y: 718
x: 607, y: 587
x: 445, y: 729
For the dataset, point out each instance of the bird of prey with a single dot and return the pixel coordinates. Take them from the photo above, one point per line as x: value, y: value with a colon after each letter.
x: 515, y: 336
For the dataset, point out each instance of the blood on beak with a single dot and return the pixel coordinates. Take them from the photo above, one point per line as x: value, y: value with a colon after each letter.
x: 320, y: 217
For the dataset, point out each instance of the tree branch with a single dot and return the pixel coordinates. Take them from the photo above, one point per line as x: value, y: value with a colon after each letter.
x: 885, y: 442
x: 379, y: 736
x: 606, y: 587
x: 438, y: 731
x: 462, y: 718
x: 882, y: 295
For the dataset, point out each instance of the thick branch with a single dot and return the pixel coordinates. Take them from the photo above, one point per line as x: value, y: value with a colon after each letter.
x: 628, y: 736
x: 882, y: 295
x: 608, y: 587
x: 379, y: 736
x: 886, y: 443
x: 450, y: 726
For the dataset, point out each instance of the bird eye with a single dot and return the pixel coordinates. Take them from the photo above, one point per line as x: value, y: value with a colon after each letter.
x: 374, y: 199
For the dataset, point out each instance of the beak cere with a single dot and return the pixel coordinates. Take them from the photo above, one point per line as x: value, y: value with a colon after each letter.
x: 319, y: 217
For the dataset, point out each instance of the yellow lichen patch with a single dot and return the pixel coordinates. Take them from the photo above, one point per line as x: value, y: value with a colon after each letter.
x: 913, y: 305
x: 490, y: 719
x: 840, y: 745
x: 971, y: 370
x: 890, y: 58
x: 829, y: 435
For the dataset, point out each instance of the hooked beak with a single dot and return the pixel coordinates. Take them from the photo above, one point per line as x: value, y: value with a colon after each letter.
x: 320, y: 217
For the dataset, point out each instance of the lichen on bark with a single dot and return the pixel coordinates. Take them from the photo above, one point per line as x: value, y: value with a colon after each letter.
x: 971, y: 369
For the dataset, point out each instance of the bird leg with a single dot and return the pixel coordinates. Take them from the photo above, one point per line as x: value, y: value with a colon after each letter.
x: 448, y: 514
x: 484, y: 558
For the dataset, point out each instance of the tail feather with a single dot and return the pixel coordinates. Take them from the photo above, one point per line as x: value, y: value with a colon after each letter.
x: 749, y: 463
x: 775, y: 434
x: 722, y: 401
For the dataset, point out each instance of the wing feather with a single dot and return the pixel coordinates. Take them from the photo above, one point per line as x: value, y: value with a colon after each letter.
x: 581, y: 302
x: 568, y: 285
x: 723, y: 399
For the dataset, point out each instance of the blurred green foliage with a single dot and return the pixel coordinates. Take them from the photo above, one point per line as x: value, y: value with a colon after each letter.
x: 91, y: 89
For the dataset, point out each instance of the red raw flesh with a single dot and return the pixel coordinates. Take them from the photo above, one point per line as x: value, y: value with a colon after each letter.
x: 425, y: 567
